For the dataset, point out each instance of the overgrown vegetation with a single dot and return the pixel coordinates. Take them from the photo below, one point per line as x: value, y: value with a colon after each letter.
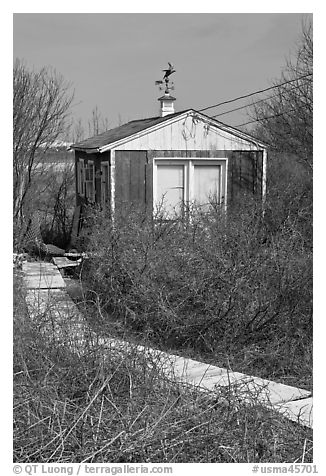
x: 105, y: 405
x: 235, y: 290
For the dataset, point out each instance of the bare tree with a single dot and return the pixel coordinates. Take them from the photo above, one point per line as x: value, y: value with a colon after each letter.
x: 286, y: 120
x: 77, y: 131
x: 97, y: 124
x: 41, y: 102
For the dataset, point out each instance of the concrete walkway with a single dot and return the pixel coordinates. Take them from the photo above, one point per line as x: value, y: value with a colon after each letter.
x: 48, y: 298
x: 294, y: 403
x: 40, y: 275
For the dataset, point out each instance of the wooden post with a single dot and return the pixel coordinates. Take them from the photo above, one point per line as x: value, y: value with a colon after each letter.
x: 112, y: 183
x: 264, y: 178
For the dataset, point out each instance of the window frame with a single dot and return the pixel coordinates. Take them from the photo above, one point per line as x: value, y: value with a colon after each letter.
x: 90, y: 164
x: 104, y: 165
x: 189, y: 175
x: 165, y: 161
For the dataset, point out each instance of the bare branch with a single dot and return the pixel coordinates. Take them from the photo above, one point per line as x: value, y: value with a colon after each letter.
x: 41, y: 102
x: 286, y: 120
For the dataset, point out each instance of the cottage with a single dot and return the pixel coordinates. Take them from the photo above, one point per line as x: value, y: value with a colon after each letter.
x: 175, y: 158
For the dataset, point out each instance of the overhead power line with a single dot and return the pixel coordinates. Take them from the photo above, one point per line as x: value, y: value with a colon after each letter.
x: 265, y: 118
x: 238, y: 108
x: 255, y: 92
x: 252, y: 104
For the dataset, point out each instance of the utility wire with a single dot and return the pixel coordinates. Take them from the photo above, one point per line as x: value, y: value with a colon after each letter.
x: 265, y: 118
x: 252, y: 104
x: 255, y: 92
x: 238, y: 108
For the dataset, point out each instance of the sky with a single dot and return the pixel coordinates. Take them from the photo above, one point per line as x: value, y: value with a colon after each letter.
x: 112, y: 60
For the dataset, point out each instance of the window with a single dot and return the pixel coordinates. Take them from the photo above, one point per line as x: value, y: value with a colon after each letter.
x: 171, y: 187
x: 86, y: 179
x: 104, y: 183
x: 195, y: 181
x: 90, y: 181
x: 207, y: 184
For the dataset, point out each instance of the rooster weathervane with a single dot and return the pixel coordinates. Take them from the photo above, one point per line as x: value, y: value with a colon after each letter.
x: 166, y: 79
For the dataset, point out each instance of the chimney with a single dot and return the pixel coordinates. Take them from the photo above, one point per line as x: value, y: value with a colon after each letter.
x: 167, y: 104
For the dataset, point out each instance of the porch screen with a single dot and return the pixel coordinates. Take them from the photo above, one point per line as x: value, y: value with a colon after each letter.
x: 207, y: 184
x: 170, y: 187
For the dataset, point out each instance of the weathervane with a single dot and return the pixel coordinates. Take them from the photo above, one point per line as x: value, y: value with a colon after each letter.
x: 166, y: 79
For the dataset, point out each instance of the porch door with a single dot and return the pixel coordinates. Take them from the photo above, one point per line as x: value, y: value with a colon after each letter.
x: 104, y: 183
x: 207, y: 184
x: 170, y: 187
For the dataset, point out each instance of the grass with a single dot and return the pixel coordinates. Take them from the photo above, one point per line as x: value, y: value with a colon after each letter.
x: 107, y: 405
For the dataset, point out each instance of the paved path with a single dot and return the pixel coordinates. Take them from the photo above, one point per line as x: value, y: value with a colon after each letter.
x: 41, y: 275
x: 58, y: 317
x: 294, y: 403
x: 47, y: 299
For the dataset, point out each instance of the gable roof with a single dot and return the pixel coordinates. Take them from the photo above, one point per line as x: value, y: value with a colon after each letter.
x: 127, y: 130
x: 121, y: 132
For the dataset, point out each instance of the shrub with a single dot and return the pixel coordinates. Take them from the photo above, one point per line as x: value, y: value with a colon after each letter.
x: 237, y: 286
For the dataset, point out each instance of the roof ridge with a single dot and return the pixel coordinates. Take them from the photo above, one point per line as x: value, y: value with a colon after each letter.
x: 117, y: 129
x: 136, y: 126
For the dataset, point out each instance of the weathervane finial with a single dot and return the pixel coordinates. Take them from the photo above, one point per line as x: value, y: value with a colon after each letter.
x: 166, y: 76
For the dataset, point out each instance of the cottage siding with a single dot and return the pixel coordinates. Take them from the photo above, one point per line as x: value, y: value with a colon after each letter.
x: 130, y: 177
x: 122, y: 178
x: 134, y: 173
x: 138, y: 177
x: 130, y: 159
x: 186, y: 134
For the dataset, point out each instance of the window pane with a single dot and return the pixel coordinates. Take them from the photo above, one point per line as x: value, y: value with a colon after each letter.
x: 90, y: 191
x: 89, y: 172
x: 170, y: 187
x: 207, y: 183
x: 104, y: 183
